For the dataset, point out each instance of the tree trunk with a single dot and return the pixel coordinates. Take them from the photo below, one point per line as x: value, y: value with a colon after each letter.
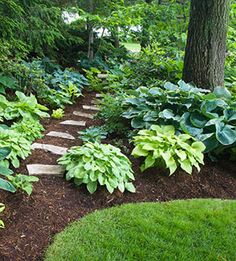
x: 206, y: 45
x: 145, y: 39
x: 90, y: 33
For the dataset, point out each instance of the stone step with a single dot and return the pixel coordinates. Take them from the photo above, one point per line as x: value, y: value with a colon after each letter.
x: 74, y: 123
x: 94, y: 102
x: 102, y: 75
x: 41, y: 169
x: 83, y: 114
x: 62, y: 135
x: 51, y: 148
x: 93, y: 108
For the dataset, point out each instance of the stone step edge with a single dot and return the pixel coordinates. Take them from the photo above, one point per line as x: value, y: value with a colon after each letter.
x: 57, y: 150
x: 43, y: 169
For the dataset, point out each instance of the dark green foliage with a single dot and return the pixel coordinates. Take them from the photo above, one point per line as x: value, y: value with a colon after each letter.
x: 209, y: 117
x: 93, y: 134
x: 111, y: 112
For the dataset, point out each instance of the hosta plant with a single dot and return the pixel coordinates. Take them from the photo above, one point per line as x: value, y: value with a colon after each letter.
x: 23, y: 182
x: 58, y: 114
x: 19, y: 146
x: 93, y: 134
x: 10, y: 182
x: 207, y: 116
x: 162, y: 148
x: 25, y: 107
x: 2, y: 207
x: 31, y: 129
x: 96, y: 164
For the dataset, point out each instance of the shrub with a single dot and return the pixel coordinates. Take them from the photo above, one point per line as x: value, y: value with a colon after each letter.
x: 111, y: 113
x: 102, y: 164
x: 161, y: 147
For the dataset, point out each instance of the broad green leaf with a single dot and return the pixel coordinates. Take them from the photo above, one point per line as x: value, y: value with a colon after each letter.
x: 222, y: 92
x: 225, y: 134
x: 186, y: 166
x: 92, y: 187
x: 130, y: 187
x: 6, y: 185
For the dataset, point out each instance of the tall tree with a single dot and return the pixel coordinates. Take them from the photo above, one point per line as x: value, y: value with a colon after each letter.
x: 206, y: 45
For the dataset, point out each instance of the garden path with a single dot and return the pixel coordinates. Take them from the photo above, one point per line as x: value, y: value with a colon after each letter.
x: 59, y: 138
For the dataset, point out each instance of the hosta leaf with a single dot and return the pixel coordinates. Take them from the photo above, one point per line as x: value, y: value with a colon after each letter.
x: 121, y: 187
x: 130, y: 187
x: 199, y: 146
x: 4, y: 152
x: 5, y: 171
x: 222, y: 92
x: 6, y: 185
x: 149, y: 162
x: 92, y: 187
x: 186, y: 166
x: 225, y: 134
x: 198, y: 120
x: 187, y: 126
x: 139, y: 152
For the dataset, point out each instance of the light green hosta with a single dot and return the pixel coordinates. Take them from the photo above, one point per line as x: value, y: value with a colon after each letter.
x: 19, y: 146
x: 2, y: 207
x: 102, y: 164
x: 161, y: 147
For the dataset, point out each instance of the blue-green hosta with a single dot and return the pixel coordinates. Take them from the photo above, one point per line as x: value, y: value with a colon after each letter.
x: 96, y: 164
x: 208, y: 116
x: 93, y: 134
x: 162, y: 148
x: 2, y: 207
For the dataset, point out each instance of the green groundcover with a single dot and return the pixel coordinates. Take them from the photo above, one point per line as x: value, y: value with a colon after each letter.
x: 178, y: 230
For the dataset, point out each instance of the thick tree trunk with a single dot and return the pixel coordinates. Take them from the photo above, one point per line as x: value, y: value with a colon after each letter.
x: 206, y: 45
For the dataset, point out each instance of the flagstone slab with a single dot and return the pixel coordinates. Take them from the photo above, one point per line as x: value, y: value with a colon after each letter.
x: 93, y: 108
x: 102, y: 75
x: 41, y: 169
x: 74, y: 123
x: 62, y: 135
x: 83, y: 114
x: 94, y: 102
x: 51, y: 148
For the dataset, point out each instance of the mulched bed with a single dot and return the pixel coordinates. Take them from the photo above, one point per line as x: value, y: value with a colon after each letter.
x: 31, y: 222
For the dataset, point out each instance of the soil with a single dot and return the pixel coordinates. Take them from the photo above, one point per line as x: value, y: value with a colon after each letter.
x: 31, y: 222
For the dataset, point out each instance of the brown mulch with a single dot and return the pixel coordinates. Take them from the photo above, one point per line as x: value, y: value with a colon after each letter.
x: 31, y: 222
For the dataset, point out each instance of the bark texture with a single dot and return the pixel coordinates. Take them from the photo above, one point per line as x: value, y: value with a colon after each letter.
x: 206, y: 43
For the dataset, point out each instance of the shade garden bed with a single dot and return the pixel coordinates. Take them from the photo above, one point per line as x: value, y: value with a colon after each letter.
x: 31, y: 222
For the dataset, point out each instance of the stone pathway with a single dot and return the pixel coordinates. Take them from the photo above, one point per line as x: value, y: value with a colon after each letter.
x: 37, y: 168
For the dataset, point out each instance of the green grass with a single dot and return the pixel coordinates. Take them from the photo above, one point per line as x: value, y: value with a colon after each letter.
x: 179, y: 230
x: 133, y: 47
